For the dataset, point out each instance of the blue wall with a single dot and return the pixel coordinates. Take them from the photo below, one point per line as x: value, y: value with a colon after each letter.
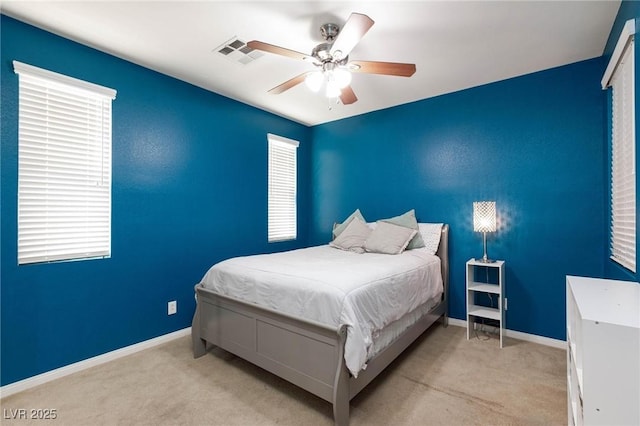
x: 534, y: 144
x: 628, y: 10
x: 189, y: 189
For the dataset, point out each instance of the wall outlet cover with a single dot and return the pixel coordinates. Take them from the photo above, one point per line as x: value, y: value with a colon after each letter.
x: 172, y: 307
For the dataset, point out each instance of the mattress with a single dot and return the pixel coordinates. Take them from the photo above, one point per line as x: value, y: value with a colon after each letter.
x: 386, y: 336
x: 366, y: 292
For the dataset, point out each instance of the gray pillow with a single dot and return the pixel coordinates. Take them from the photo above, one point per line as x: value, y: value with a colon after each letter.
x: 353, y: 236
x: 388, y: 238
x: 408, y: 220
x: 338, y: 228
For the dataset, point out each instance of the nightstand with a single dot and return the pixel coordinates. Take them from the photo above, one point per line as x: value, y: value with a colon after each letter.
x: 485, y: 278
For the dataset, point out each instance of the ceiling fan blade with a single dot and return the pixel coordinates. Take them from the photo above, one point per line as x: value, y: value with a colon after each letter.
x: 385, y: 68
x: 289, y: 83
x: 271, y: 48
x: 347, y: 96
x: 353, y: 30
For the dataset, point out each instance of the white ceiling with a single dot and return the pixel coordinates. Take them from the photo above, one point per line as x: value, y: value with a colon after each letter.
x: 454, y: 44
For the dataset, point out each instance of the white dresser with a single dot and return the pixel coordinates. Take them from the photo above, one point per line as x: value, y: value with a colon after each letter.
x: 603, y: 352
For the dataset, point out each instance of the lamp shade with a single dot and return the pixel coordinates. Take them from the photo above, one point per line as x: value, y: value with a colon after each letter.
x: 315, y: 80
x: 484, y: 216
x: 332, y: 90
x: 342, y: 77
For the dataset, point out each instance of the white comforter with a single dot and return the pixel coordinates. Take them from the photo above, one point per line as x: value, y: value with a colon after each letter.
x: 334, y: 287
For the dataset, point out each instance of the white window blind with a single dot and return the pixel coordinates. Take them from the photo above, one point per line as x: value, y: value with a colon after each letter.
x: 282, y: 215
x: 623, y: 169
x: 64, y: 167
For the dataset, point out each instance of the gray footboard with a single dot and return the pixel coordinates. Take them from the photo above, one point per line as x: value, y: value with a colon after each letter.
x: 307, y: 354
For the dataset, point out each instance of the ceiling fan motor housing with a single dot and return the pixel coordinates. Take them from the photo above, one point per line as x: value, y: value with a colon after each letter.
x: 322, y: 53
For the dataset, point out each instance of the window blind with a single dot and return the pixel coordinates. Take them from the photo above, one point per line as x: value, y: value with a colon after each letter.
x: 282, y: 216
x: 64, y: 167
x: 623, y: 170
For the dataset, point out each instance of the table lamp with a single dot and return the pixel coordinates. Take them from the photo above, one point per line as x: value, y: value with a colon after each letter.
x: 484, y: 220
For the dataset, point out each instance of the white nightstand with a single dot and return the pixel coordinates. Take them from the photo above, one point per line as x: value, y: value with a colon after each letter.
x: 479, y: 280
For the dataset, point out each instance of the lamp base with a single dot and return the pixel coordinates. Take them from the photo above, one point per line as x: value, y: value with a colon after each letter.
x: 484, y: 260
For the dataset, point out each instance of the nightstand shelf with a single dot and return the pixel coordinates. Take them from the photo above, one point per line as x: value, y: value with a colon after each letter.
x: 484, y: 312
x: 493, y: 285
x: 486, y: 288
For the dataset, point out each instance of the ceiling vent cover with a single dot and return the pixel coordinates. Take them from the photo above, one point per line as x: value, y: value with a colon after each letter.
x: 237, y: 50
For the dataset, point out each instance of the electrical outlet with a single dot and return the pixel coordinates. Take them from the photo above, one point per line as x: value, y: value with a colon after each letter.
x: 172, y: 307
x: 506, y: 304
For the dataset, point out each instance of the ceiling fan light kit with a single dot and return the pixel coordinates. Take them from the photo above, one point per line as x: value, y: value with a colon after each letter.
x: 332, y: 78
x: 332, y: 60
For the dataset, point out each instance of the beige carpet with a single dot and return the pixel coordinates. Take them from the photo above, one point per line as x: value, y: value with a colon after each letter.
x: 442, y: 379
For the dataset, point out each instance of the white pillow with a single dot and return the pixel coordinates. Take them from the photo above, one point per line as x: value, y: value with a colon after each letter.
x: 339, y: 227
x: 431, y: 233
x: 352, y: 238
x: 388, y: 238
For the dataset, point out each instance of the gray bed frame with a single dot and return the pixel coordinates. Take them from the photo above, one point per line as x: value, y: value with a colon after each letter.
x: 306, y: 353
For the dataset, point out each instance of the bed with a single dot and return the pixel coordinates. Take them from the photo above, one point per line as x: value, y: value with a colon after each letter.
x: 299, y: 336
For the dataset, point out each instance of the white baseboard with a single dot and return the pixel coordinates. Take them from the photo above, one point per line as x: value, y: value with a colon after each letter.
x: 34, y: 381
x: 547, y: 341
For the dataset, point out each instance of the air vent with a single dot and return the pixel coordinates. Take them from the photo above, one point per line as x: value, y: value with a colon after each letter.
x: 236, y: 50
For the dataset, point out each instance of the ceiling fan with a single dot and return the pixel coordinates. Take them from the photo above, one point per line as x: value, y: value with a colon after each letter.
x: 331, y: 59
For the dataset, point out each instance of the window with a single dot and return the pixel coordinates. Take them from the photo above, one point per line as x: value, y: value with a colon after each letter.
x: 620, y: 77
x: 282, y: 188
x: 64, y: 167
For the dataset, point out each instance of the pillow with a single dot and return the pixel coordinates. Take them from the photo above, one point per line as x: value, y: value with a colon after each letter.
x: 408, y: 220
x: 339, y: 227
x: 388, y: 238
x: 431, y: 233
x: 353, y: 236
